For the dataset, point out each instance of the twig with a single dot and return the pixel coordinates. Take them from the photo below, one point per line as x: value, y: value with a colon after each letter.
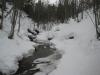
x: 8, y: 12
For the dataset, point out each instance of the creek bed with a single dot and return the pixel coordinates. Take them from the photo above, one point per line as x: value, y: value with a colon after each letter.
x: 41, y: 51
x: 26, y: 65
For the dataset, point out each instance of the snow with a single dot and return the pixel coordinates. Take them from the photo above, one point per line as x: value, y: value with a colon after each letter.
x: 81, y: 53
x: 13, y: 50
x: 75, y: 41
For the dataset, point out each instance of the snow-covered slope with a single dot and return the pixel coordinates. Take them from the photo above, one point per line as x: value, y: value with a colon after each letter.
x: 13, y: 50
x: 79, y: 45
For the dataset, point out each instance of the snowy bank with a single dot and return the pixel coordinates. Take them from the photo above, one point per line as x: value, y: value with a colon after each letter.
x: 80, y: 47
x: 11, y: 51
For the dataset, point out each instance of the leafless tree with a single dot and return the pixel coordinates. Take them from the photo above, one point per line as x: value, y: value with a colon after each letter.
x: 3, y: 5
x: 14, y: 18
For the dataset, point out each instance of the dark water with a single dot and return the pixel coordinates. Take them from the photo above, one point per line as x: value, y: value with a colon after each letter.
x: 26, y: 64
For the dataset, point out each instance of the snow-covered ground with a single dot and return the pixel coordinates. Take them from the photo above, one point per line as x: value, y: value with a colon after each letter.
x: 11, y: 51
x: 80, y: 48
x: 76, y: 41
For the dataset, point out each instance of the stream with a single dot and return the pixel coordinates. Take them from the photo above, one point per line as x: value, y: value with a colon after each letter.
x: 26, y: 65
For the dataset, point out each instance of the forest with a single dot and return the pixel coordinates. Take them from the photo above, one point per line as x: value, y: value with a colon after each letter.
x: 43, y: 12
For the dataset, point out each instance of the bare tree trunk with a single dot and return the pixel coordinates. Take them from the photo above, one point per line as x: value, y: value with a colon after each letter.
x: 96, y: 11
x: 3, y: 4
x: 20, y: 13
x: 14, y: 18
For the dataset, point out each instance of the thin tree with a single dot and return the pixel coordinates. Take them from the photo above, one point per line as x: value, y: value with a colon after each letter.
x: 3, y: 5
x: 97, y: 14
x: 17, y: 4
x: 14, y: 18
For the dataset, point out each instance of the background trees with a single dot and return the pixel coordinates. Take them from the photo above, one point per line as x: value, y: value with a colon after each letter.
x: 43, y: 12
